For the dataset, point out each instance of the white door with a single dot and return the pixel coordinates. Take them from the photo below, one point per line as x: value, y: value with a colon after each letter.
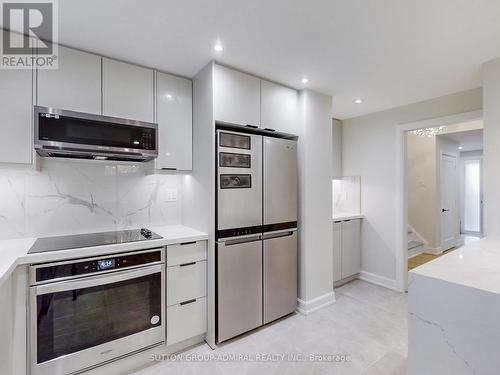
x: 448, y: 198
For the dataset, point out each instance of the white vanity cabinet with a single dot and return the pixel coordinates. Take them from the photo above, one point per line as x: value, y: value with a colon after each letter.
x: 279, y: 108
x: 174, y: 114
x: 186, y: 291
x: 236, y: 97
x: 346, y: 249
x: 75, y: 85
x: 127, y: 91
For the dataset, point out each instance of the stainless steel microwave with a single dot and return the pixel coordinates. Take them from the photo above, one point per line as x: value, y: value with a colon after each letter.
x: 69, y: 134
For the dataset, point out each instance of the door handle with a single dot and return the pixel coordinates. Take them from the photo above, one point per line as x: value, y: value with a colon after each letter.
x: 444, y: 210
x: 243, y: 240
x: 277, y: 235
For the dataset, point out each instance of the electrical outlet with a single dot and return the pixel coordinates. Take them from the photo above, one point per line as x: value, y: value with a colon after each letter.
x: 171, y: 195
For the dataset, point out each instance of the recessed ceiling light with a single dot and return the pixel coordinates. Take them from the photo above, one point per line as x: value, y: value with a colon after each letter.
x: 358, y: 101
x: 218, y: 47
x: 305, y: 80
x: 460, y: 147
x: 169, y: 96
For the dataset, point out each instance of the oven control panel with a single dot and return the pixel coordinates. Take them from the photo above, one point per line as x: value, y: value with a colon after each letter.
x: 95, y: 265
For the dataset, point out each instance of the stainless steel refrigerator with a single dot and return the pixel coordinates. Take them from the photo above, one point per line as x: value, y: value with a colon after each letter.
x: 256, y: 229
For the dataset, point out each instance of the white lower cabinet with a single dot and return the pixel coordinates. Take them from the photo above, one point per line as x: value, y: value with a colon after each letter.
x: 337, y: 251
x: 186, y: 320
x: 186, y: 281
x: 346, y: 249
x: 186, y: 291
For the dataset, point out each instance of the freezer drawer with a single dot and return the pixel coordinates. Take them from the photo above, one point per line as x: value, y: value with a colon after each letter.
x: 280, y: 274
x: 280, y: 180
x: 239, y: 180
x: 239, y: 286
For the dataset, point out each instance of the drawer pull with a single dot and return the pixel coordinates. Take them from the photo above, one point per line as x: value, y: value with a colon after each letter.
x: 187, y: 243
x: 187, y: 264
x: 188, y: 302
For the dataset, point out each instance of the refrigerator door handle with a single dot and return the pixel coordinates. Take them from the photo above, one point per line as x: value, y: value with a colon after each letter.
x: 243, y: 240
x: 277, y: 235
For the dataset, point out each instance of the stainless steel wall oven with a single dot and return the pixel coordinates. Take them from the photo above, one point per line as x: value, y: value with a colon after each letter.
x: 87, y: 312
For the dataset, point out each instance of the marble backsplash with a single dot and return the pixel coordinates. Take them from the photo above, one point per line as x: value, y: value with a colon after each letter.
x: 67, y: 197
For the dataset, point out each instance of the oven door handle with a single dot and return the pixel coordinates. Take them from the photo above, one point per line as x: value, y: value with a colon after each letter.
x: 89, y: 282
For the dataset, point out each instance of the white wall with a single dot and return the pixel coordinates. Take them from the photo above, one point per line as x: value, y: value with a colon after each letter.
x: 422, y: 187
x: 315, y: 196
x: 369, y: 150
x: 72, y: 197
x: 491, y: 158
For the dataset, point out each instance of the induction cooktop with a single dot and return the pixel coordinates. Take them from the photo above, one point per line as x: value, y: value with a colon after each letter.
x: 75, y: 241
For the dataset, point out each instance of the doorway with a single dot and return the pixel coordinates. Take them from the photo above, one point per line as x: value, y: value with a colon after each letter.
x: 449, y: 157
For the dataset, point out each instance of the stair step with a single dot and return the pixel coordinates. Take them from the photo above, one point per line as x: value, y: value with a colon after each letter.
x: 413, y: 244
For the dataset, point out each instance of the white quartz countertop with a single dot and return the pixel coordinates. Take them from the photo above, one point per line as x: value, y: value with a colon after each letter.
x: 15, y: 252
x: 346, y: 217
x: 476, y: 265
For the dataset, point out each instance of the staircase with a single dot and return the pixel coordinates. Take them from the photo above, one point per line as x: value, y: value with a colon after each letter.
x: 416, y: 245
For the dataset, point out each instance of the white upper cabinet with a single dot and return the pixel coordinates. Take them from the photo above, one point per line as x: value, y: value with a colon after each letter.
x: 278, y: 108
x: 75, y: 85
x: 16, y: 141
x: 127, y: 91
x: 174, y: 114
x: 16, y: 109
x: 236, y: 97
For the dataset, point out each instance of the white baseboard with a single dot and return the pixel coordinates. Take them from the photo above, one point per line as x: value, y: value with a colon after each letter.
x: 433, y: 250
x: 378, y: 280
x: 307, y: 307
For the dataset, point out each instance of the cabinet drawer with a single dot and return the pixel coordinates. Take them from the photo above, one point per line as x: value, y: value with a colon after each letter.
x: 186, y: 320
x: 186, y: 252
x: 186, y: 281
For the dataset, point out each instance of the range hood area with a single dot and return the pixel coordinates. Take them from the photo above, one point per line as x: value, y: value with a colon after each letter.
x: 69, y: 134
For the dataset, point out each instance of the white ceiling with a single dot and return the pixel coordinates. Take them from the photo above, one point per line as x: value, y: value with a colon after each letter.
x: 471, y: 140
x: 388, y: 53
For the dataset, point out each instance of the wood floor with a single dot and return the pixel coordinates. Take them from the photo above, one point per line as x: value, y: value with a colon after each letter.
x: 420, y: 259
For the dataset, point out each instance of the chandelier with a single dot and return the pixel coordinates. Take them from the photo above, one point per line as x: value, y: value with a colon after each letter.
x: 429, y: 132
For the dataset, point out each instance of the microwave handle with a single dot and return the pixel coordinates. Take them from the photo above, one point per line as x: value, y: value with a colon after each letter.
x: 89, y: 282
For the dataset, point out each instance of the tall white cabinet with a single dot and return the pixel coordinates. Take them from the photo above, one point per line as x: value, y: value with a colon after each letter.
x: 236, y: 97
x: 174, y: 114
x: 346, y: 249
x: 127, y: 91
x: 75, y: 85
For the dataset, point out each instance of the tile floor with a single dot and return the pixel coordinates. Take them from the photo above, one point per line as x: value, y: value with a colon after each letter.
x: 367, y: 323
